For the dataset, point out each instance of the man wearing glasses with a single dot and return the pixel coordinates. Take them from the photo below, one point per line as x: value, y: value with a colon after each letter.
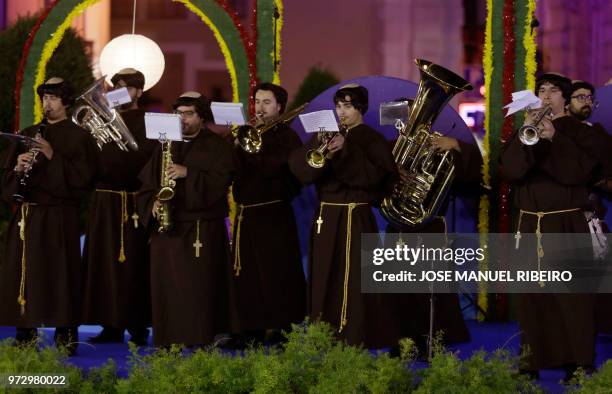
x: 190, y: 260
x: 582, y: 101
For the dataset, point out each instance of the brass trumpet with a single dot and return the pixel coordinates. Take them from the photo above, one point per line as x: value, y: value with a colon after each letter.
x: 530, y: 134
x: 250, y: 137
x: 316, y: 157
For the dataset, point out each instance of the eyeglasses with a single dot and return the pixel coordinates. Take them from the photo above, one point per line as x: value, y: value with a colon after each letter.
x: 584, y: 97
x: 188, y: 114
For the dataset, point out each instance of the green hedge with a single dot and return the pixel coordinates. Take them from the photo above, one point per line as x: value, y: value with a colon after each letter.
x: 311, y: 361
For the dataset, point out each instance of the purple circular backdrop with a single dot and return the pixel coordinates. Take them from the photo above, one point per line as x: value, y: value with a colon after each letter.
x: 382, y: 89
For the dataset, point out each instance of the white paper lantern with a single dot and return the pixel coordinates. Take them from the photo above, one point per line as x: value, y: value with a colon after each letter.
x: 135, y: 51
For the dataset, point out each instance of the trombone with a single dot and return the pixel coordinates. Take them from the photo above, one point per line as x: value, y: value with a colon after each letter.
x: 250, y: 136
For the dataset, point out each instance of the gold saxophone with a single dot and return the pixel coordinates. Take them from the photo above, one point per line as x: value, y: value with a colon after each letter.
x: 166, y: 190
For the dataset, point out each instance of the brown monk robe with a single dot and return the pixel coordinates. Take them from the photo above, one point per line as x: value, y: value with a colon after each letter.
x: 448, y: 316
x: 268, y: 286
x: 190, y: 263
x: 350, y: 183
x: 559, y: 329
x: 42, y: 265
x: 116, y: 253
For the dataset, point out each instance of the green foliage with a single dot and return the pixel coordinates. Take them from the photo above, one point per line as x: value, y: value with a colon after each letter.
x: 481, y: 373
x: 70, y: 61
x: 316, y: 82
x: 311, y: 361
x: 31, y: 359
x: 600, y: 382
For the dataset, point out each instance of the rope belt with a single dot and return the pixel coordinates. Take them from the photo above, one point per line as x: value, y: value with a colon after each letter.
x: 21, y: 300
x: 124, y: 216
x: 349, y: 220
x: 540, y: 215
x: 241, y: 208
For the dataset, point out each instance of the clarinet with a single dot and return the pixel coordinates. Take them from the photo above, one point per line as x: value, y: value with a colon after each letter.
x: 22, y: 184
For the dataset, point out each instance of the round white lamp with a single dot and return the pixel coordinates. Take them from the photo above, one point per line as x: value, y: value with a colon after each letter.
x: 135, y: 51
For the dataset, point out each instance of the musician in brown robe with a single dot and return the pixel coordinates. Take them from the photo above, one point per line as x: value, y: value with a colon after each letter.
x: 116, y: 252
x: 582, y: 103
x: 40, y: 280
x: 190, y: 261
x: 448, y: 316
x: 268, y: 286
x: 551, y: 190
x: 351, y: 181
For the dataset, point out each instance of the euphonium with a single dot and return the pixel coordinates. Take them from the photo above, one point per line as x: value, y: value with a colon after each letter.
x: 530, y: 134
x: 316, y: 157
x: 249, y: 136
x: 166, y: 190
x: 103, y: 122
x: 416, y: 198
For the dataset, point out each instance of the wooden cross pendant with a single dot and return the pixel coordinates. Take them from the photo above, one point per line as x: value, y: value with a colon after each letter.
x: 517, y: 237
x: 135, y: 219
x: 400, y: 243
x: 319, y: 223
x: 21, y: 225
x: 197, y: 245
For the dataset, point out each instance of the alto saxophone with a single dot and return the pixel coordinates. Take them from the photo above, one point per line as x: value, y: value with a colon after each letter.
x: 166, y: 190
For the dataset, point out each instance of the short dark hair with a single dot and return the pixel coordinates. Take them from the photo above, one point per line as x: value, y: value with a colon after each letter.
x: 358, y: 95
x: 280, y: 94
x: 132, y: 78
x: 558, y: 80
x: 201, y: 104
x: 56, y: 87
x: 578, y: 84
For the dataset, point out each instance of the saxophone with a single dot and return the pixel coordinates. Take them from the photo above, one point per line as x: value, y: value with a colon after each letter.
x: 166, y: 190
x: 416, y: 200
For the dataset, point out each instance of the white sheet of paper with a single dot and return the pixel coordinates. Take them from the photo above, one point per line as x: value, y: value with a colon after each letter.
x: 315, y: 122
x: 118, y: 96
x: 168, y: 124
x: 521, y: 100
x: 228, y: 113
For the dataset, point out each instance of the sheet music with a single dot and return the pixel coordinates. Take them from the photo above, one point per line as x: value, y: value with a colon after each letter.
x: 118, y: 97
x: 521, y: 100
x: 228, y: 113
x: 168, y: 124
x: 315, y: 122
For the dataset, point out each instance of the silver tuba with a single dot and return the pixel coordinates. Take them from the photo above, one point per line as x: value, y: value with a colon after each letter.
x: 416, y: 199
x: 94, y: 113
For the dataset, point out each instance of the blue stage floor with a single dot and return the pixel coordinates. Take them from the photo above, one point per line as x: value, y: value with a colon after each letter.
x: 486, y: 336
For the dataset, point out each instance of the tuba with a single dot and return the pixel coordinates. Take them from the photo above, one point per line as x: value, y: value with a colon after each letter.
x: 249, y: 137
x: 94, y: 114
x: 530, y: 134
x: 166, y: 190
x: 416, y: 198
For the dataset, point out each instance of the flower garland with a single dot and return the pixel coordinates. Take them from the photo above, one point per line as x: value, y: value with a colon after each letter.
x: 278, y: 42
x: 50, y: 47
x: 484, y: 205
x: 23, y: 61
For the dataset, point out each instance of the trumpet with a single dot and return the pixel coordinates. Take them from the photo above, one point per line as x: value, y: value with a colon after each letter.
x: 250, y: 136
x: 316, y: 157
x: 530, y: 134
x: 22, y: 185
